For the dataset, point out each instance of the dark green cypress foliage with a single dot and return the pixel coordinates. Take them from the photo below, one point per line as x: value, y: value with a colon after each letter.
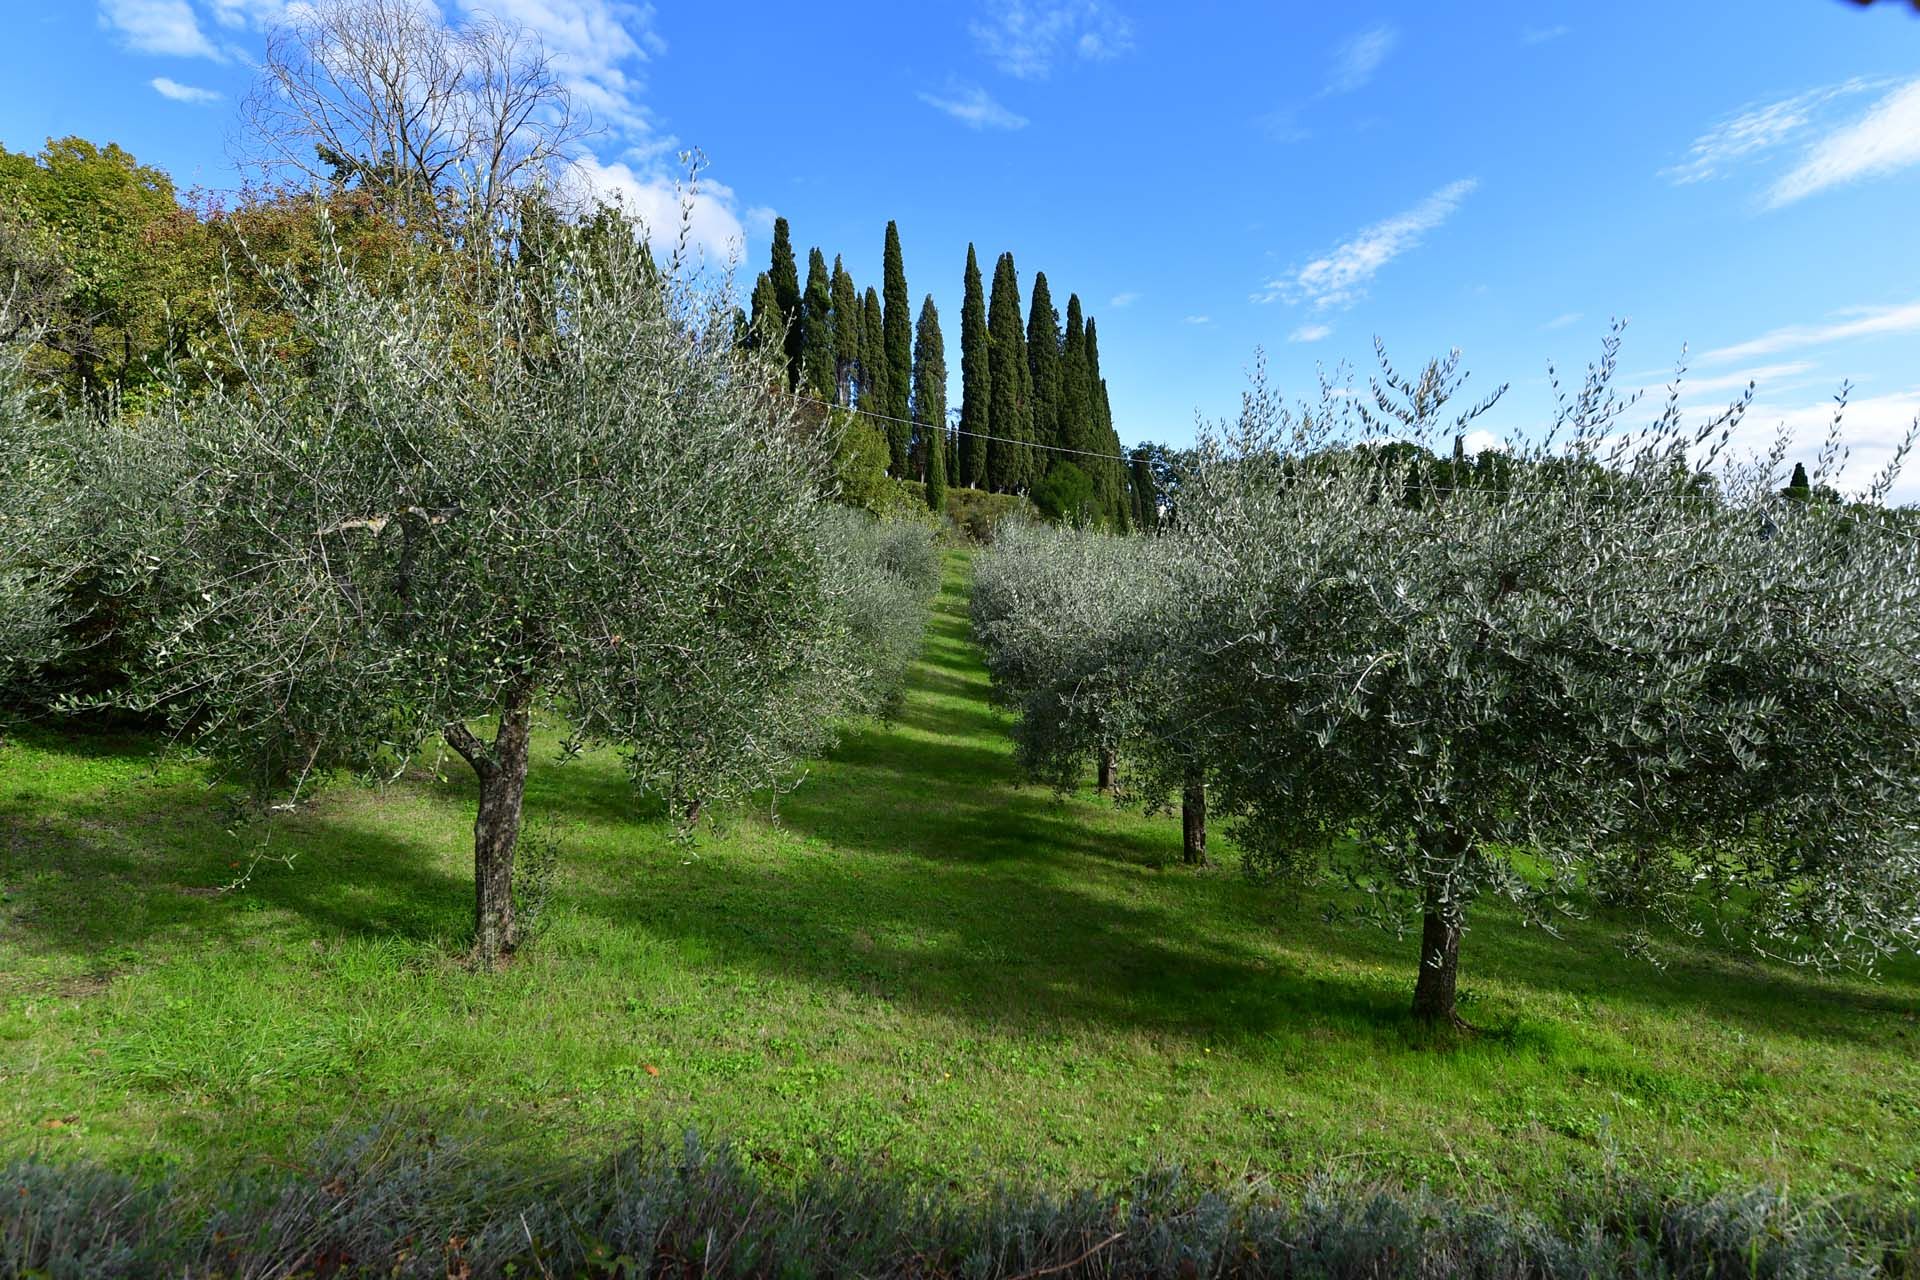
x: 1108, y: 482
x: 849, y: 321
x: 785, y: 274
x: 1043, y: 367
x: 816, y: 329
x: 1010, y: 406
x: 1076, y: 399
x: 1800, y: 487
x: 766, y: 325
x: 873, y: 363
x: 1146, y: 499
x: 976, y: 379
x: 898, y: 349
x: 930, y: 403
x: 953, y: 457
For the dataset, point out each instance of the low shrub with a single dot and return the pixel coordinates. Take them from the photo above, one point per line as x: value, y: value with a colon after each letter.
x: 390, y: 1202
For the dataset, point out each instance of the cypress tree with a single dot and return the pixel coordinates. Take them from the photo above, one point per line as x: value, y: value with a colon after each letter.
x: 1010, y: 406
x: 766, y: 326
x: 848, y: 323
x: 873, y: 364
x: 816, y: 329
x: 1043, y: 367
x: 930, y: 403
x: 1076, y: 400
x: 898, y: 349
x: 976, y: 379
x: 785, y: 273
x: 1108, y: 483
x: 1146, y: 499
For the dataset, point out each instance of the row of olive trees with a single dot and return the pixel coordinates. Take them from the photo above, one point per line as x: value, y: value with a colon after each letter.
x: 1629, y: 669
x: 510, y: 486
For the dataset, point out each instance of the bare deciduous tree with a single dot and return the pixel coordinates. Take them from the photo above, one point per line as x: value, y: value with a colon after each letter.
x: 444, y: 121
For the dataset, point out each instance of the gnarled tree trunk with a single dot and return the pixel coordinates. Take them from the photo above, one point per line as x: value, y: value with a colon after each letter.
x: 1442, y: 918
x: 1193, y: 819
x: 502, y: 770
x: 1106, y: 771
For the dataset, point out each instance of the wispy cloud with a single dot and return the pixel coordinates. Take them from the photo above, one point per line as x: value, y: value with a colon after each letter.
x: 1544, y: 35
x: 1856, y: 322
x: 1310, y: 333
x: 1196, y: 320
x: 1025, y: 38
x: 660, y: 202
x: 1340, y: 277
x: 1763, y: 376
x: 158, y: 26
x: 596, y: 47
x: 974, y: 107
x: 1872, y: 428
x: 182, y: 92
x: 1885, y: 140
x: 1356, y: 60
x: 1759, y: 129
x: 1120, y: 301
x: 1565, y: 320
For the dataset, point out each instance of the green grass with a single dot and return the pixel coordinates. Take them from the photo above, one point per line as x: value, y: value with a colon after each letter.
x: 918, y: 961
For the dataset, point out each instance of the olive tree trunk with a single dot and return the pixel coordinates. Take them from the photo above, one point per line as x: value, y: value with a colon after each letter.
x: 502, y: 770
x: 1440, y: 927
x: 1193, y: 819
x: 1106, y: 771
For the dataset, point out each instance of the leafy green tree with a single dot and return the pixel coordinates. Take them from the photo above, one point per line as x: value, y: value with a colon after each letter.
x: 550, y: 491
x: 816, y: 330
x: 767, y: 325
x: 1010, y: 406
x: 930, y: 403
x: 849, y: 324
x: 785, y: 274
x: 1043, y: 369
x: 35, y: 486
x: 1142, y: 493
x: 1065, y: 493
x: 976, y: 380
x: 1596, y: 677
x: 873, y: 358
x: 897, y: 347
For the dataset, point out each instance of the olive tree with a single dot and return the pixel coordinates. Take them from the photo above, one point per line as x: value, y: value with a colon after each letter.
x: 1074, y: 624
x: 541, y: 484
x: 34, y: 490
x: 1630, y: 665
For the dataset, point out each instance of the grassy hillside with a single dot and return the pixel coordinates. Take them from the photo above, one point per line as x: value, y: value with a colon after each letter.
x: 911, y: 957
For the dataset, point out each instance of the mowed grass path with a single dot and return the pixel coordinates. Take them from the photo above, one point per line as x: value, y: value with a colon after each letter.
x: 918, y: 962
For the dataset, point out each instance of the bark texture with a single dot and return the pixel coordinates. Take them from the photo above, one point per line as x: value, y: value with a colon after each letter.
x: 1106, y: 771
x: 1440, y: 927
x: 502, y: 770
x: 1193, y: 819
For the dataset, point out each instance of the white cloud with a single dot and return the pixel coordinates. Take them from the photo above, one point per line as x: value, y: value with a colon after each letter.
x: 1542, y: 35
x: 1762, y: 376
x: 595, y: 45
x: 1566, y: 320
x: 1871, y: 429
x: 1856, y: 322
x: 1025, y: 37
x: 1121, y: 300
x: 1310, y: 333
x: 1760, y: 129
x: 973, y: 107
x: 158, y: 26
x: 1196, y: 320
x: 659, y: 203
x: 1355, y: 61
x: 1340, y: 278
x: 1479, y: 441
x: 1883, y: 141
x: 182, y: 92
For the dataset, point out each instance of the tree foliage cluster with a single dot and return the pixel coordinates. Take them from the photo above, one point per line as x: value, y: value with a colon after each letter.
x: 1612, y: 664
x: 1033, y: 402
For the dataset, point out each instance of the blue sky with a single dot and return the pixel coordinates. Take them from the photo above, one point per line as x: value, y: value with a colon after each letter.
x: 1216, y: 178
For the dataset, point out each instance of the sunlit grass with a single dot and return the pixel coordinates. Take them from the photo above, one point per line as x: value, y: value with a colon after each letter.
x: 917, y: 962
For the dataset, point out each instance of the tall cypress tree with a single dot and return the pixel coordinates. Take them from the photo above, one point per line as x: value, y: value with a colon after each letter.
x: 873, y: 361
x: 1043, y: 366
x: 849, y: 321
x: 1010, y: 406
x: 976, y: 379
x: 898, y: 345
x: 1106, y: 473
x: 785, y: 274
x: 1076, y: 398
x: 930, y: 403
x: 816, y: 329
x: 766, y: 327
x: 1146, y: 499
